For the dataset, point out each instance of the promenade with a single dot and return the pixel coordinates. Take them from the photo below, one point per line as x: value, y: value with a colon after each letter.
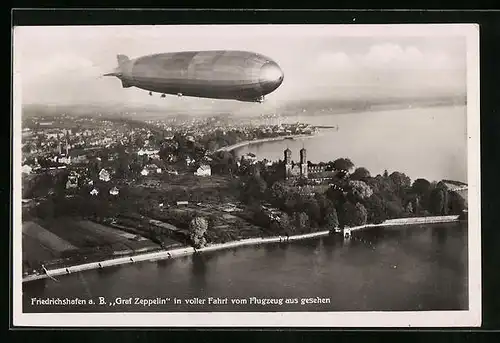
x: 262, y: 140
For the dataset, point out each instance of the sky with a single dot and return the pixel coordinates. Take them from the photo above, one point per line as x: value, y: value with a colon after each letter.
x: 62, y: 65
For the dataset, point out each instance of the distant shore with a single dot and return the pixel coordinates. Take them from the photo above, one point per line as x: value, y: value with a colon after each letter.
x: 263, y: 140
x: 166, y: 254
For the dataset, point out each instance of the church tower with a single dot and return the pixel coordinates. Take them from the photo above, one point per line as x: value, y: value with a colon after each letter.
x: 288, y: 163
x: 303, y: 163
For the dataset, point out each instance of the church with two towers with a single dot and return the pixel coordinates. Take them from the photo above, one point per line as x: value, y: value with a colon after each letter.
x: 303, y: 169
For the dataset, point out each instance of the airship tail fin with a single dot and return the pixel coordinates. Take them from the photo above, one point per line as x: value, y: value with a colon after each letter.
x: 122, y: 59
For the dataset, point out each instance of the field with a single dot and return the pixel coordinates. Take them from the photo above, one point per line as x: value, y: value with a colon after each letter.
x: 172, y: 188
x: 223, y: 227
x: 67, y: 241
x: 46, y: 238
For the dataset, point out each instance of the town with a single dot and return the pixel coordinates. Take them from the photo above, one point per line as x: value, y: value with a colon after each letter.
x: 95, y: 187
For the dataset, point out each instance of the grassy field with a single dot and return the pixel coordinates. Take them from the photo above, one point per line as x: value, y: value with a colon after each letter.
x: 35, y: 253
x: 46, y: 238
x: 172, y: 188
x: 68, y: 241
x: 223, y: 227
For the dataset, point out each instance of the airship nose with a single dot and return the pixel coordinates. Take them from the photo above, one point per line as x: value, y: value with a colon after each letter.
x: 271, y: 77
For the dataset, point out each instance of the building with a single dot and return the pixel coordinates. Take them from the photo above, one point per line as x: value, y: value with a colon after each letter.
x: 203, y: 170
x: 151, y: 169
x: 94, y: 192
x: 26, y: 169
x: 189, y: 161
x: 114, y: 191
x: 304, y: 169
x: 72, y: 182
x: 104, y: 175
x: 250, y: 158
x: 296, y: 170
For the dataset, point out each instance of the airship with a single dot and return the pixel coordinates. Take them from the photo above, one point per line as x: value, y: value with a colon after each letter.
x: 223, y: 74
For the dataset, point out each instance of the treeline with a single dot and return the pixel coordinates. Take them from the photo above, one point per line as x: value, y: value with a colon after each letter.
x: 352, y: 197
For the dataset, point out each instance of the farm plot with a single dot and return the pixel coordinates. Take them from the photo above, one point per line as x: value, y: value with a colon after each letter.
x: 132, y: 241
x: 34, y: 252
x: 67, y: 229
x: 46, y: 238
x: 107, y: 237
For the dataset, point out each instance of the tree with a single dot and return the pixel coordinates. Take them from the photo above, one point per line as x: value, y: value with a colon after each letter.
x: 401, y: 182
x: 393, y: 209
x: 331, y: 219
x: 439, y: 201
x: 123, y: 168
x: 343, y: 164
x: 457, y: 203
x: 360, y: 189
x: 198, y: 227
x: 313, y: 210
x: 355, y: 214
x: 409, y: 207
x: 301, y: 221
x: 376, y: 209
x: 282, y: 225
x: 224, y: 163
x: 360, y: 173
x: 420, y: 187
x: 278, y: 191
x: 253, y: 188
x: 261, y: 218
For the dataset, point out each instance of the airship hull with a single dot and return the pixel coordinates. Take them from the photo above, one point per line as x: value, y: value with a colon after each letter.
x: 237, y: 75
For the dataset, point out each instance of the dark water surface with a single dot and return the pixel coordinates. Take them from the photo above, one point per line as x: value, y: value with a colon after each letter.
x: 394, y: 268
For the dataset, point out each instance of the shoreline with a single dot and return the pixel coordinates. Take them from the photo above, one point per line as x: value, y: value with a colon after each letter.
x: 264, y: 140
x: 178, y: 252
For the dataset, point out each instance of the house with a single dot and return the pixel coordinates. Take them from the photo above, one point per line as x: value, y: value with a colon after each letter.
x: 104, y: 175
x: 203, y: 170
x: 182, y: 203
x: 148, y: 152
x: 80, y: 159
x: 114, y: 191
x: 72, y: 182
x: 189, y: 161
x: 94, y: 192
x: 251, y: 158
x: 151, y: 169
x: 26, y: 169
x: 64, y: 159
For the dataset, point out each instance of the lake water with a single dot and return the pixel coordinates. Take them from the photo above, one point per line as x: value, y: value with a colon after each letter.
x: 424, y: 142
x: 393, y: 268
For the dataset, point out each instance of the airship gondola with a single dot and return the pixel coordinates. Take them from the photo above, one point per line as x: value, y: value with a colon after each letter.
x: 224, y: 74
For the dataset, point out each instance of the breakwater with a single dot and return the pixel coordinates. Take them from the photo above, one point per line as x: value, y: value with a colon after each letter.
x: 165, y: 254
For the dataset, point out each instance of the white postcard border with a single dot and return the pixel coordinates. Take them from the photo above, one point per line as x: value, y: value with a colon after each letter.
x: 469, y: 318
